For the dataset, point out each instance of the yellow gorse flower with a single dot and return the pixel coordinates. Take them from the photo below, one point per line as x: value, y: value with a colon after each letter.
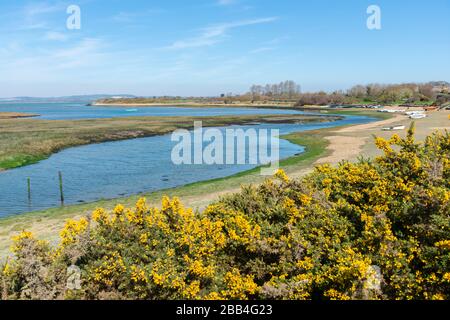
x: 353, y: 231
x: 72, y: 230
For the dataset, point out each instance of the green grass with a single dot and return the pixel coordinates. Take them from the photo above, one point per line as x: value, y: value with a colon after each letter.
x: 362, y: 112
x: 315, y: 146
x: 19, y: 160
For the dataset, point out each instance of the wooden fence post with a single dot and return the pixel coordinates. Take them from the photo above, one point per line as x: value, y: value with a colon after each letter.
x: 29, y: 189
x: 61, y: 188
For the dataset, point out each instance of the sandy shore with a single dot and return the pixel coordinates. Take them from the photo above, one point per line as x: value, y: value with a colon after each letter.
x: 372, y: 125
x: 351, y: 142
x: 344, y: 147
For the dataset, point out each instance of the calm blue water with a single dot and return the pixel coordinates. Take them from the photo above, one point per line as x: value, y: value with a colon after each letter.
x: 73, y: 111
x: 114, y: 169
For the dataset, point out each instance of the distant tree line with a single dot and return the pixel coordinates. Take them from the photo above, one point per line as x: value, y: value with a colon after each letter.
x: 287, y: 89
x: 408, y: 93
x: 431, y: 93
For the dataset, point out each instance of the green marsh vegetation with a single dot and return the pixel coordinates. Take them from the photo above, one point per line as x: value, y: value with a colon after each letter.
x: 26, y: 141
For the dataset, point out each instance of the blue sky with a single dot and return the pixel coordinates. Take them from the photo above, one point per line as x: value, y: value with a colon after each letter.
x: 206, y: 47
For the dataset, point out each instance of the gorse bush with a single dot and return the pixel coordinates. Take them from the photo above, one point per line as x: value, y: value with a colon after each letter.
x: 376, y: 229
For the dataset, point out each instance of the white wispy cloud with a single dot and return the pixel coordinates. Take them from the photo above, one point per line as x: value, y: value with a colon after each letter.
x: 235, y: 4
x: 226, y: 2
x: 262, y: 49
x: 82, y: 53
x: 278, y: 40
x: 56, y: 36
x: 35, y: 9
x: 10, y: 48
x: 33, y: 15
x: 124, y: 16
x: 214, y: 34
x: 20, y: 65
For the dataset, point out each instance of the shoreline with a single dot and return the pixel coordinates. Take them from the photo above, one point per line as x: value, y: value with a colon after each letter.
x: 193, y: 104
x: 256, y: 105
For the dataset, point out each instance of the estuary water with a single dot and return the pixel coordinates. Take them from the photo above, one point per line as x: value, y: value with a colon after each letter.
x: 115, y: 169
x: 77, y: 111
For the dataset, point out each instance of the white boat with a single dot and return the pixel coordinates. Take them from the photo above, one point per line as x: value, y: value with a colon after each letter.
x: 394, y: 128
x: 392, y: 110
x: 418, y: 116
x: 131, y: 110
x: 410, y: 113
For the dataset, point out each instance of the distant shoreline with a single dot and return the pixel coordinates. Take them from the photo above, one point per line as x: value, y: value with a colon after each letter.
x: 292, y: 106
x: 190, y: 104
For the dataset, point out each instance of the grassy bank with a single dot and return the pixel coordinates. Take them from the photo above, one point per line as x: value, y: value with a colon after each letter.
x: 361, y: 112
x: 27, y: 141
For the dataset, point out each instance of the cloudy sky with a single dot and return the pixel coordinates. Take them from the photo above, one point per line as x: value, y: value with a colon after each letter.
x: 206, y: 47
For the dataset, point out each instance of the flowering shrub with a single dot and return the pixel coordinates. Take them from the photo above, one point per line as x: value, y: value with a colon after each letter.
x: 375, y: 229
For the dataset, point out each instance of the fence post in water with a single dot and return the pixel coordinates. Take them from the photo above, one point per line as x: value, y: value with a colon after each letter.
x: 29, y: 189
x: 61, y: 188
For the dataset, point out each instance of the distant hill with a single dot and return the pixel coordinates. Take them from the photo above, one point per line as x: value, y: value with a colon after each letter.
x: 67, y: 99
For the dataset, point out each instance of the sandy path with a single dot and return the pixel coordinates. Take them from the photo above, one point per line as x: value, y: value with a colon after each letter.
x: 350, y: 142
x: 343, y: 148
x: 349, y: 147
x: 372, y: 125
